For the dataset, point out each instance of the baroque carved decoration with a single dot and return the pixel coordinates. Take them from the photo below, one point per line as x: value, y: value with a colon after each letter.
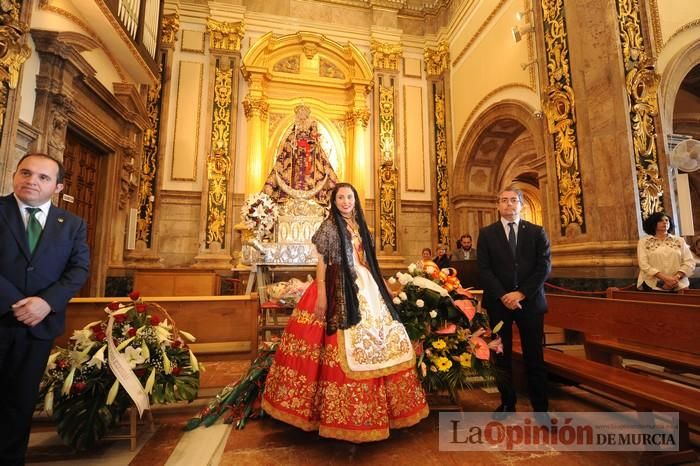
x: 559, y: 107
x: 255, y: 106
x: 219, y: 160
x: 437, y: 59
x: 288, y: 65
x: 388, y: 174
x: 149, y: 168
x: 388, y: 190
x: 357, y: 117
x: 13, y: 51
x: 441, y: 182
x: 328, y: 69
x: 127, y: 179
x: 641, y: 84
x: 169, y: 28
x: 61, y: 108
x: 386, y: 56
x: 225, y: 36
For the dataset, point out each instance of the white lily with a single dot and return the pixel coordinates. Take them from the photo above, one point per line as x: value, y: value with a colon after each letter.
x: 124, y: 343
x: 188, y: 336
x: 420, y: 303
x: 412, y: 268
x: 48, y: 402
x: 423, y: 282
x: 163, y: 334
x: 150, y: 382
x: 98, y: 358
x: 194, y: 362
x: 112, y: 393
x: 133, y: 356
x: 82, y: 337
x: 167, y: 366
x: 51, y: 363
x: 92, y: 324
x: 65, y: 390
x: 77, y: 358
x: 122, y: 310
x: 145, y: 351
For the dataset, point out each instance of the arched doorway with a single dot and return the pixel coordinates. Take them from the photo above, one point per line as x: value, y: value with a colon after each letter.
x: 680, y: 94
x: 504, y: 147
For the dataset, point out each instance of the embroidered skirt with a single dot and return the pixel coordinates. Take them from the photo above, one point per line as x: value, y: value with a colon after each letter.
x: 312, y: 384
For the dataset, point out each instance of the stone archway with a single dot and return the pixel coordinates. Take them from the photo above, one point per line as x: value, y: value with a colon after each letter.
x: 680, y: 101
x: 504, y: 146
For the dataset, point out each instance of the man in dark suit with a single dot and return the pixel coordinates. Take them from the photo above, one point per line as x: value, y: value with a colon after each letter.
x: 44, y: 261
x: 514, y: 261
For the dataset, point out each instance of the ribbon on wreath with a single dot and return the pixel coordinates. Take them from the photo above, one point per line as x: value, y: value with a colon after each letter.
x: 122, y: 371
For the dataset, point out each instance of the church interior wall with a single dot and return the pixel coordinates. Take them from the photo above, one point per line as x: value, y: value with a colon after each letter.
x: 486, y: 76
x: 477, y: 71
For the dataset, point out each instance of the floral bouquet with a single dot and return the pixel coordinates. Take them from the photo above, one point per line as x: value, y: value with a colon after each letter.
x: 259, y: 214
x: 240, y: 400
x: 80, y: 389
x: 453, y: 341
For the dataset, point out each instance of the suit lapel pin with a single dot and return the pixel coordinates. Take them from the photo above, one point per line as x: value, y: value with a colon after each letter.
x: 60, y: 219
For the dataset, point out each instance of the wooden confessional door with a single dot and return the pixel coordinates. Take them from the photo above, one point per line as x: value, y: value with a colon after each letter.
x: 82, y: 162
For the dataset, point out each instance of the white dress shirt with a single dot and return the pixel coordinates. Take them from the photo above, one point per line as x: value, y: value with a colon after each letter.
x: 41, y: 216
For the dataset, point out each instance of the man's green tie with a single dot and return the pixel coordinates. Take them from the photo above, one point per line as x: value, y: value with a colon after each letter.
x: 33, y: 228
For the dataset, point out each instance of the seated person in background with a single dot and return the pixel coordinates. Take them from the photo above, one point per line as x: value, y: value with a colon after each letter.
x: 665, y: 260
x: 426, y: 257
x: 464, y: 251
x: 442, y: 259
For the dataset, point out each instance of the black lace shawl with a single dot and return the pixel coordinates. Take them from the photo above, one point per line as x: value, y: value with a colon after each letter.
x: 341, y: 288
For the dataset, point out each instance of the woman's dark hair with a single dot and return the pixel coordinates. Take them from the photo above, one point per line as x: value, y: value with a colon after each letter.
x: 427, y: 249
x: 367, y: 245
x: 649, y: 224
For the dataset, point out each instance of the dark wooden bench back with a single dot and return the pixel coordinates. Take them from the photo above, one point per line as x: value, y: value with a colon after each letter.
x: 656, y: 297
x: 672, y: 326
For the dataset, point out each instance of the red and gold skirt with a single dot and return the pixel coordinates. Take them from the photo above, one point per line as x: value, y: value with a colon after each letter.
x: 308, y: 387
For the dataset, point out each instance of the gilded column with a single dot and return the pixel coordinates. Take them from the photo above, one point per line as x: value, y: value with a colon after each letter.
x: 385, y: 60
x: 224, y: 46
x: 641, y: 85
x: 13, y: 53
x: 256, y: 110
x: 559, y: 107
x: 357, y: 121
x: 151, y: 139
x: 436, y: 65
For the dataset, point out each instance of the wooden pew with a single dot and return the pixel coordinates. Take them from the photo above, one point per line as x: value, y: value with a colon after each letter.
x: 691, y: 291
x: 226, y: 327
x: 671, y: 327
x: 177, y: 282
x: 654, y: 296
x: 611, y: 350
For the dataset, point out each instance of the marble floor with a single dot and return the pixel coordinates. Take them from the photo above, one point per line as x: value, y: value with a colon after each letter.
x: 270, y: 442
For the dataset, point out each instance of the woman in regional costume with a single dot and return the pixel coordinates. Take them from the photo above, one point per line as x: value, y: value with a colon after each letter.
x: 345, y: 365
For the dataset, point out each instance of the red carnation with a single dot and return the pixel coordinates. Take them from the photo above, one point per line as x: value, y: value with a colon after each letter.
x: 155, y: 320
x: 131, y: 332
x: 176, y: 344
x: 139, y: 372
x: 141, y: 308
x: 134, y: 295
x: 176, y: 370
x: 120, y: 318
x: 113, y: 305
x: 79, y: 386
x: 62, y: 364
